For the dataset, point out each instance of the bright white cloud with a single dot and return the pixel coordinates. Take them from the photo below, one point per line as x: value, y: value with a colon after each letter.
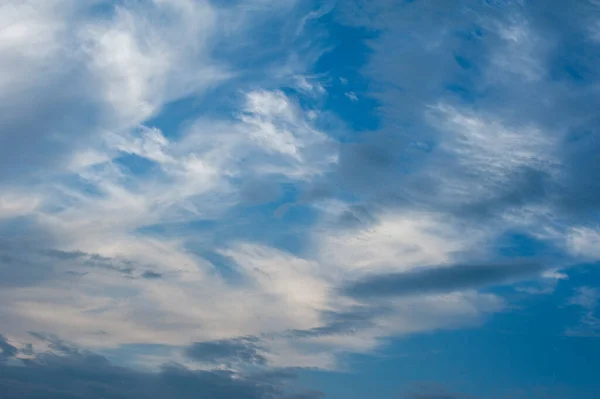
x: 398, y: 242
x: 147, y: 55
x: 584, y: 242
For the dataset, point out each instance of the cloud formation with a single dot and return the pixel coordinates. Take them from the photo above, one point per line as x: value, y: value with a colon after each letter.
x: 189, y: 175
x: 87, y: 375
x: 587, y: 299
x: 441, y: 279
x: 240, y: 350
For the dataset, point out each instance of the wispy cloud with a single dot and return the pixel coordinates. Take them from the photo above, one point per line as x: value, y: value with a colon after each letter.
x: 587, y: 299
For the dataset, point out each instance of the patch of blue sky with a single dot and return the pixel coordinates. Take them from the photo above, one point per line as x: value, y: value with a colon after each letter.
x: 137, y: 165
x: 572, y: 63
x: 523, y: 352
x: 342, y: 64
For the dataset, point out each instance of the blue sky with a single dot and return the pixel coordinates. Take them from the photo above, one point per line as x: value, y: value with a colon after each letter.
x: 299, y: 199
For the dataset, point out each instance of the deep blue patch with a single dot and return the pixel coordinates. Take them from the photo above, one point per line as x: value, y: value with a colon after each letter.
x: 175, y: 115
x: 471, y: 33
x: 350, y: 53
x: 225, y: 266
x: 463, y: 61
x: 515, y: 245
x: 575, y: 60
x: 523, y: 348
x: 465, y: 93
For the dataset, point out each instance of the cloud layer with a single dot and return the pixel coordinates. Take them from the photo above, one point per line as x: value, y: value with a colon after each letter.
x: 188, y: 177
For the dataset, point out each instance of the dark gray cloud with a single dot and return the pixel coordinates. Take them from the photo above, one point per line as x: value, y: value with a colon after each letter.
x: 55, y: 343
x: 86, y: 375
x: 123, y: 266
x: 245, y: 350
x: 152, y: 275
x: 24, y: 263
x: 8, y: 351
x: 442, y: 279
x: 342, y: 323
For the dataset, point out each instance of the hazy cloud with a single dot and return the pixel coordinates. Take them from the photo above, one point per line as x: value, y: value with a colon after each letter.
x: 233, y: 351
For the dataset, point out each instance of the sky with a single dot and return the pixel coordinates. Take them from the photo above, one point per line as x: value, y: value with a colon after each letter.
x: 299, y: 199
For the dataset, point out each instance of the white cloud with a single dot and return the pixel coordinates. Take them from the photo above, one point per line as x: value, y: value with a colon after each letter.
x: 397, y: 242
x: 584, y: 242
x: 486, y: 153
x: 589, y: 324
x: 351, y: 96
x: 31, y: 36
x: 277, y: 293
x: 73, y: 70
x: 17, y: 204
x: 310, y: 86
x: 586, y: 297
x: 197, y: 176
x: 124, y: 64
x: 147, y: 55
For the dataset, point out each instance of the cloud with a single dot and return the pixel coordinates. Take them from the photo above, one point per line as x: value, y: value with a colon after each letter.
x: 587, y: 298
x: 71, y: 72
x: 151, y: 275
x: 173, y: 174
x: 8, y: 351
x: 279, y: 293
x: 90, y: 376
x: 26, y: 264
x: 584, y: 242
x: 380, y: 243
x: 234, y: 351
x: 16, y: 204
x: 351, y: 96
x: 442, y: 279
x: 289, y: 301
